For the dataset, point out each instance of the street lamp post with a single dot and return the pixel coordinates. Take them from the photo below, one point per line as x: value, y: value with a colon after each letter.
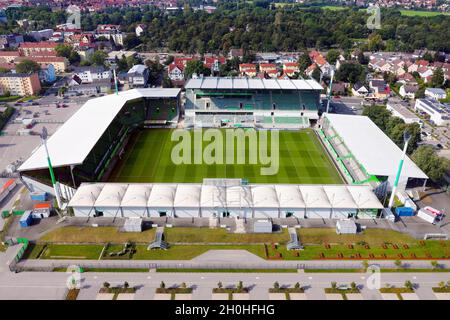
x: 406, y: 138
x: 330, y: 90
x: 44, y: 136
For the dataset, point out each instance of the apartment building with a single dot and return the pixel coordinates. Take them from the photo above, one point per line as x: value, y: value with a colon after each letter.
x: 20, y: 84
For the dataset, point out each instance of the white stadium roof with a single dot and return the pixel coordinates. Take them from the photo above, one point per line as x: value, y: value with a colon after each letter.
x: 74, y: 140
x: 378, y: 154
x: 246, y: 83
x: 188, y: 195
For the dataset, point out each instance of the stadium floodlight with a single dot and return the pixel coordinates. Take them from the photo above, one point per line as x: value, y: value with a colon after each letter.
x: 44, y: 136
x: 330, y: 90
x: 406, y: 138
x: 116, y: 87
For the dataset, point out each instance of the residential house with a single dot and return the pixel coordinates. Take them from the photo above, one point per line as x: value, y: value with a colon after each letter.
x: 76, y: 86
x: 91, y: 74
x: 138, y: 76
x: 236, y: 53
x: 85, y: 51
x: 247, y: 69
x: 290, y: 68
x: 8, y: 56
x: 379, y: 88
x: 435, y: 93
x: 321, y: 62
x: 269, y: 69
x: 339, y: 88
x: 10, y: 41
x: 175, y: 72
x: 42, y: 48
x: 140, y: 29
x: 359, y: 90
x: 110, y: 32
x: 408, y: 91
x: 20, y: 84
x: 47, y: 74
x: 213, y: 63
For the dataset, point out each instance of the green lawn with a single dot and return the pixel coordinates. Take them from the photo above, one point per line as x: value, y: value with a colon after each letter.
x: 302, y: 160
x: 88, y: 252
x: 206, y: 235
x: 419, y: 13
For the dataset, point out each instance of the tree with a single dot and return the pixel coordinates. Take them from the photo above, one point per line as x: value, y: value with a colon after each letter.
x: 183, y: 285
x: 433, y: 165
x: 409, y: 285
x: 162, y: 285
x: 63, y: 50
x: 333, y: 285
x: 441, y: 284
x: 398, y: 263
x: 240, y: 285
x: 297, y: 285
x: 365, y: 264
x: 304, y: 61
x: 27, y: 66
x: 438, y: 78
x: 276, y: 285
x: 220, y: 285
x: 316, y: 74
x: 196, y: 66
x: 351, y: 72
x: 333, y: 55
x: 126, y: 285
x: 106, y: 285
x: 98, y: 58
x: 353, y: 285
x: 375, y: 43
x: 131, y: 41
x: 434, y: 264
x: 169, y: 60
x: 379, y: 115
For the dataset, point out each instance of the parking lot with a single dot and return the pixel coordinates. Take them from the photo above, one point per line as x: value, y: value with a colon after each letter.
x: 15, y: 147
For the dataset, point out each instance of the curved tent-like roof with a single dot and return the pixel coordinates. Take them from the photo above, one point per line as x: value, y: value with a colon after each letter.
x: 314, y: 196
x: 111, y: 195
x: 162, y: 196
x: 136, y: 196
x: 213, y: 197
x: 86, y: 195
x: 187, y: 196
x: 289, y: 196
x: 264, y: 196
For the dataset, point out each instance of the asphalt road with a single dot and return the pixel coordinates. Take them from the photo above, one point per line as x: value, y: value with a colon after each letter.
x: 52, y: 285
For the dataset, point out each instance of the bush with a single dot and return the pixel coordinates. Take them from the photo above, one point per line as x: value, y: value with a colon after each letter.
x: 333, y: 285
x: 276, y: 285
x: 126, y: 285
x: 162, y: 285
x: 106, y: 285
x: 219, y: 285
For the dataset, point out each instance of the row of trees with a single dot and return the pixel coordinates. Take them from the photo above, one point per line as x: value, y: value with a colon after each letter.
x: 423, y: 155
x: 256, y: 27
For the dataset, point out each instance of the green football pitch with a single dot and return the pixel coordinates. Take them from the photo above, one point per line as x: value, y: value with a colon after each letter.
x: 147, y: 158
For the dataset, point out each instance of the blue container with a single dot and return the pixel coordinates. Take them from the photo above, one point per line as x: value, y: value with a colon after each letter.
x: 39, y: 196
x: 26, y: 220
x: 404, y: 211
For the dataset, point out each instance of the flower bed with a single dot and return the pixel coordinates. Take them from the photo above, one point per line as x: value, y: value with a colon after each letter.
x: 72, y: 294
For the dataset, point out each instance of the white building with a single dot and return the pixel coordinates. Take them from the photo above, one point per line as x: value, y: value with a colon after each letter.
x: 245, y: 201
x: 140, y: 29
x: 400, y: 110
x: 438, y: 112
x: 435, y: 93
x: 90, y: 74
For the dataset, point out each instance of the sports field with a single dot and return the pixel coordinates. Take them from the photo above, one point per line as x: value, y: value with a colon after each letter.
x: 302, y: 160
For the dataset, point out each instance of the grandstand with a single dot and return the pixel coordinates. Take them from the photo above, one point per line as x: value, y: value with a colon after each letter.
x: 364, y: 153
x: 262, y: 98
x: 85, y: 147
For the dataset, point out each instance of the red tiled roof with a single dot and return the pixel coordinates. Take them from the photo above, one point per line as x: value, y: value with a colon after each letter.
x: 42, y: 44
x: 9, y: 53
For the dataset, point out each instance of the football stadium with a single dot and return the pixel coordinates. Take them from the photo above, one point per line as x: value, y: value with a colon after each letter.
x: 114, y: 157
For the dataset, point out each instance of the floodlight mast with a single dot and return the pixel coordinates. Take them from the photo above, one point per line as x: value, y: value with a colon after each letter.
x: 44, y: 136
x: 406, y: 138
x: 330, y: 90
x: 116, y: 87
